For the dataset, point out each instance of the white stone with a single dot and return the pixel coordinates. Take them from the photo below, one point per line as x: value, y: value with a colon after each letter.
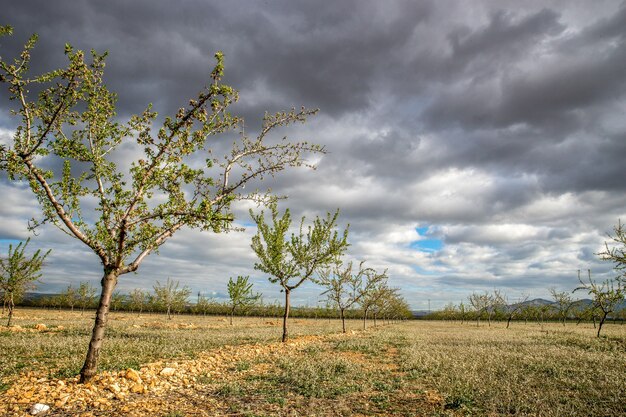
x: 168, y: 371
x: 39, y: 409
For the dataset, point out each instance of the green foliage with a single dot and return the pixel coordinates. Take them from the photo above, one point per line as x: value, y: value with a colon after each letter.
x: 291, y: 262
x: 241, y: 295
x: 18, y: 274
x: 73, y: 123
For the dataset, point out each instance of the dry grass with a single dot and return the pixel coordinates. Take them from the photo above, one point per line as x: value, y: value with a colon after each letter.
x: 407, y: 369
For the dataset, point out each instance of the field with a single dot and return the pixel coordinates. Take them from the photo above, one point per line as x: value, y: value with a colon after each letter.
x: 191, y: 366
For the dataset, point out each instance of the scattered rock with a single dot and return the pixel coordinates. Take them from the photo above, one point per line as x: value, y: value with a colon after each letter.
x: 137, y: 388
x: 114, y: 388
x: 41, y: 327
x: 39, y: 409
x: 132, y: 375
x: 167, y: 372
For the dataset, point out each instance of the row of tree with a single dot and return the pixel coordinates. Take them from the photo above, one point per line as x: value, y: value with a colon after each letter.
x: 605, y: 302
x: 142, y: 301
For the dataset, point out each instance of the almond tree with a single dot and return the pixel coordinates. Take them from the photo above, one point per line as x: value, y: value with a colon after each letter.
x: 290, y: 262
x: 606, y: 295
x: 563, y: 302
x: 169, y: 297
x: 86, y: 295
x: 241, y: 295
x: 480, y: 303
x: 174, y: 182
x: 18, y: 274
x: 344, y: 288
x: 137, y: 300
x: 373, y: 297
x: 616, y: 252
x: 515, y: 309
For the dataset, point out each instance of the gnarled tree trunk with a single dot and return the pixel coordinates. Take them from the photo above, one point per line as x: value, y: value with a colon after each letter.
x: 95, y: 344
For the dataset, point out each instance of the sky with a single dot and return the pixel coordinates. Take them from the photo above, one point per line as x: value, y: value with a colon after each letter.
x: 472, y: 146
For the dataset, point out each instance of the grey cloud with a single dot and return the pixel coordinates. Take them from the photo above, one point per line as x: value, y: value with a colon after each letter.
x: 444, y: 114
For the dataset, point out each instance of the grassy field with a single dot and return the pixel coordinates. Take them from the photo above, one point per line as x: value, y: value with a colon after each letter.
x: 408, y: 369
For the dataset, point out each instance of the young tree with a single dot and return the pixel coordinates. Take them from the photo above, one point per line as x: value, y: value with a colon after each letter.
x: 291, y: 262
x: 516, y: 309
x: 18, y: 274
x: 480, y: 303
x: 606, y: 296
x: 563, y: 303
x: 169, y: 297
x: 616, y: 252
x: 344, y: 288
x: 241, y: 295
x: 117, y: 299
x: 69, y: 297
x: 137, y: 209
x: 137, y: 300
x: 373, y: 297
x: 86, y: 295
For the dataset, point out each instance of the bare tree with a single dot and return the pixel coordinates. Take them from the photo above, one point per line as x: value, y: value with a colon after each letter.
x: 138, y: 208
x: 137, y: 300
x: 606, y: 296
x: 515, y: 309
x: 345, y: 287
x: 241, y: 295
x: 291, y: 262
x: 372, y: 299
x: 616, y: 252
x: 169, y: 297
x: 480, y: 303
x: 86, y: 295
x: 563, y: 303
x: 18, y: 274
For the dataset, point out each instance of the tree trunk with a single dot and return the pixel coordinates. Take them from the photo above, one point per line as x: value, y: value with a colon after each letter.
x: 601, y: 323
x: 343, y: 320
x: 169, y: 313
x: 97, y: 336
x: 364, y: 318
x: 232, y: 314
x: 11, y: 306
x: 286, y: 315
x: 508, y: 322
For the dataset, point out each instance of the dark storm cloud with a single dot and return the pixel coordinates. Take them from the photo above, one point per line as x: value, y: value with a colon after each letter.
x: 500, y: 124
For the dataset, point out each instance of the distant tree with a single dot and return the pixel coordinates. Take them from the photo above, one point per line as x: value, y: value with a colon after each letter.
x: 462, y: 312
x: 18, y: 274
x: 606, y: 296
x: 562, y: 302
x: 241, y: 295
x: 169, y: 297
x: 69, y: 297
x: 372, y: 300
x: 480, y: 303
x: 85, y: 294
x: 616, y: 252
x: 125, y: 213
x: 291, y: 262
x: 137, y: 300
x: 515, y: 309
x: 117, y: 300
x: 345, y: 287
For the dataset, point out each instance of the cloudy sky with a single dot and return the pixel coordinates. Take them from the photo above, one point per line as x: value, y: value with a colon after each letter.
x: 472, y: 145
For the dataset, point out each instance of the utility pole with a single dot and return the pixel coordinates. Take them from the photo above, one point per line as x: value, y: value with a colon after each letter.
x: 429, y: 306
